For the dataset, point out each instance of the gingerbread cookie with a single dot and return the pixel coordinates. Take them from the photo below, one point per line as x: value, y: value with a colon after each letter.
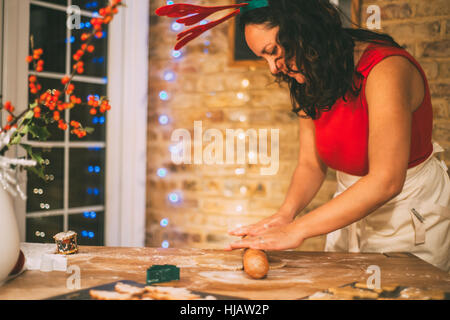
x: 109, y: 295
x: 353, y: 293
x: 128, y: 289
x: 169, y: 293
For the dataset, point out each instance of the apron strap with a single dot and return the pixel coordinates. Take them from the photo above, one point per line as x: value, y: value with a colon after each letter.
x: 353, y: 243
x: 444, y: 165
x: 419, y: 226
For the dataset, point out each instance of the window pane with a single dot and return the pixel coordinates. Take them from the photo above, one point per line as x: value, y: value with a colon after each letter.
x: 89, y: 227
x: 87, y: 176
x: 47, y: 194
x: 48, y: 27
x: 95, y: 62
x: 81, y: 113
x: 56, y: 134
x: 90, y: 5
x: 43, y: 229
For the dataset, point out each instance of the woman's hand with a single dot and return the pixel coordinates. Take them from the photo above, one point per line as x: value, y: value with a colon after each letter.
x: 278, y: 219
x: 279, y: 238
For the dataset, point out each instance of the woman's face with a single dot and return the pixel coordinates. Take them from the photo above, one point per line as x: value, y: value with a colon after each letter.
x: 262, y: 41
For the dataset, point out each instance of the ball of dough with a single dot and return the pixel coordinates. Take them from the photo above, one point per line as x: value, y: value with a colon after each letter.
x: 255, y: 263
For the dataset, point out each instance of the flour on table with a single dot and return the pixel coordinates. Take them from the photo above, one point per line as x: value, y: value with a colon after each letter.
x: 231, y: 262
x: 274, y: 277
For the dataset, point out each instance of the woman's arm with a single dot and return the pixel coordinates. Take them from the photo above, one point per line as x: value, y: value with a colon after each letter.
x: 390, y: 96
x: 305, y: 183
x: 309, y: 173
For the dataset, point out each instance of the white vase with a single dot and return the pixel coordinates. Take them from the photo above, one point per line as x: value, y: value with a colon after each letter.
x: 9, y: 236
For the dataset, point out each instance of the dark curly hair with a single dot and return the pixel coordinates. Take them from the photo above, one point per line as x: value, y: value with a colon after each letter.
x: 311, y: 31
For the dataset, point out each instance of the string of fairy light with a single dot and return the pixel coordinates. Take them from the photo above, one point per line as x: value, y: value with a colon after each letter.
x: 175, y: 197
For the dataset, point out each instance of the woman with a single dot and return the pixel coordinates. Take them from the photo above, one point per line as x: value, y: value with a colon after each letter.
x: 364, y: 110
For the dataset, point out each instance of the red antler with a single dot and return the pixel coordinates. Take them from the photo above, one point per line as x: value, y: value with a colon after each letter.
x: 192, y: 33
x: 196, y: 14
x: 184, y: 9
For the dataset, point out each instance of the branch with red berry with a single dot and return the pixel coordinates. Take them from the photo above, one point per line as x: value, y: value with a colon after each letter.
x: 48, y: 106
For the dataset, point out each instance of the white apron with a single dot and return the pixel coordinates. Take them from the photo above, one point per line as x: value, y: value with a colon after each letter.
x: 415, y: 221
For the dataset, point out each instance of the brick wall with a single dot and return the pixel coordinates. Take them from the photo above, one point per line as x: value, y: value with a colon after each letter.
x: 207, y: 89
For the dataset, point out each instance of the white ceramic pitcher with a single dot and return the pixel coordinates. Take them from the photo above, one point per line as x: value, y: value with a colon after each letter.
x: 9, y: 236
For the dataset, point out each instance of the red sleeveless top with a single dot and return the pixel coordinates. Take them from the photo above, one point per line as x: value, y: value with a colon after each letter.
x: 342, y: 133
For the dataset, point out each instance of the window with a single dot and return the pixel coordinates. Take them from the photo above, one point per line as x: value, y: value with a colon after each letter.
x: 94, y: 186
x: 72, y: 196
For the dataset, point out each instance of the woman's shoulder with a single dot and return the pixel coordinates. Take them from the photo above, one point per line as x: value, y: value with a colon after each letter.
x: 393, y: 66
x: 399, y: 72
x: 376, y: 52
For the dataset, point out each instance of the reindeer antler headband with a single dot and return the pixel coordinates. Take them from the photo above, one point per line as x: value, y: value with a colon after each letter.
x: 198, y: 13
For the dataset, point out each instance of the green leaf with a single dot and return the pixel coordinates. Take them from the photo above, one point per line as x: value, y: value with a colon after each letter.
x: 39, y: 132
x: 35, y: 156
x: 24, y: 130
x: 26, y: 117
x: 89, y: 130
x: 29, y: 114
x: 39, y: 171
x: 39, y: 168
x: 16, y: 139
x: 33, y: 105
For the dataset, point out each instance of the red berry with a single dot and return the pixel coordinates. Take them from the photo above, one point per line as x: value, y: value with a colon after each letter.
x: 7, y: 105
x: 65, y: 80
x: 62, y: 125
x: 70, y: 88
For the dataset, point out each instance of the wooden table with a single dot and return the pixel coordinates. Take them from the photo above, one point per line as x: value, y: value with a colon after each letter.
x: 304, y: 274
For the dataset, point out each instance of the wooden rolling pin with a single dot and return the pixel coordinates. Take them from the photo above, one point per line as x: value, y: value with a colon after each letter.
x: 255, y: 262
